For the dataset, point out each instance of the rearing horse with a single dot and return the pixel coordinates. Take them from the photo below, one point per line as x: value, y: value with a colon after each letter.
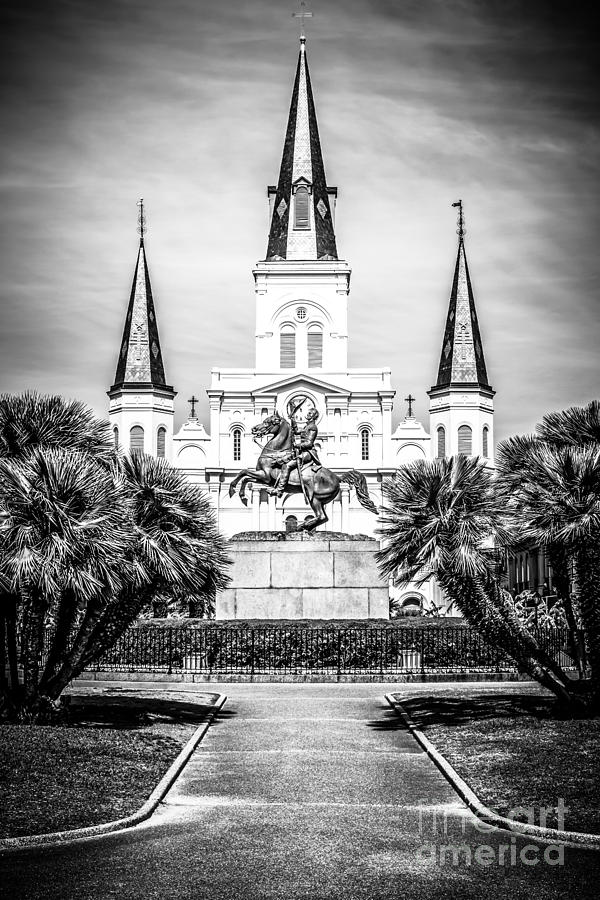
x: 321, y: 485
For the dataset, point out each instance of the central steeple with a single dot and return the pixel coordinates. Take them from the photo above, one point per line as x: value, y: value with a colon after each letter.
x: 301, y: 209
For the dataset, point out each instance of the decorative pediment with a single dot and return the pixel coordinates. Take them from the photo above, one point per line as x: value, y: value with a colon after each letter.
x: 300, y: 382
x: 301, y: 182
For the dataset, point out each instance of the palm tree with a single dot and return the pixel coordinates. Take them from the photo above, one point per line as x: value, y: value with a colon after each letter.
x: 27, y: 421
x: 440, y: 518
x: 177, y: 547
x: 63, y: 533
x: 87, y: 540
x: 553, y: 493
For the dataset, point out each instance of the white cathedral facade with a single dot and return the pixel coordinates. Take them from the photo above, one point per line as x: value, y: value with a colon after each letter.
x: 301, y: 338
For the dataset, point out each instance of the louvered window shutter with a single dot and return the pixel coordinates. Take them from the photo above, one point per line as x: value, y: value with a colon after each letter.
x: 441, y: 443
x: 302, y: 216
x: 287, y: 349
x: 315, y: 349
x: 136, y: 439
x: 465, y: 440
x: 485, y: 441
x: 161, y: 439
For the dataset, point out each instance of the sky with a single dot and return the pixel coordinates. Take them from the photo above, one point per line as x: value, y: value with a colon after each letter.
x: 185, y: 103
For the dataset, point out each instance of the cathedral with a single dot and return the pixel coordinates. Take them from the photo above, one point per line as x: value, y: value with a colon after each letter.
x: 301, y: 338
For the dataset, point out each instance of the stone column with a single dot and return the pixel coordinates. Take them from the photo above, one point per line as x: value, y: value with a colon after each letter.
x: 255, y: 508
x: 345, y: 489
x: 214, y: 493
x: 272, y: 512
x: 336, y: 514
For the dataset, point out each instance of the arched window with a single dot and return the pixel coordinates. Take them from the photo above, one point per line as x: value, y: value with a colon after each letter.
x: 484, y: 441
x: 465, y: 440
x: 237, y: 444
x: 116, y: 436
x: 441, y: 442
x: 161, y: 440
x: 315, y: 347
x: 364, y: 443
x: 136, y: 439
x: 287, y: 347
x: 291, y: 524
x: 301, y: 211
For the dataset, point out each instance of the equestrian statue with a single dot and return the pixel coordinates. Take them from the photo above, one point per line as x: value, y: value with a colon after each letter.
x: 288, y: 463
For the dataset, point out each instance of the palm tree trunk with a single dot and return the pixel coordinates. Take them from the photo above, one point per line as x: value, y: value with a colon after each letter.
x: 559, y: 560
x: 12, y: 652
x: 34, y: 607
x: 73, y: 664
x: 62, y: 633
x: 479, y: 610
x: 115, y: 621
x: 3, y: 678
x: 588, y: 571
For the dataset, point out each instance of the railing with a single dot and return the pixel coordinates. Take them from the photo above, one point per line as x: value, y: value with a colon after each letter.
x: 223, y: 649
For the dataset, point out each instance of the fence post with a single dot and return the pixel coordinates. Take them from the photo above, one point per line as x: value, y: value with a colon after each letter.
x: 423, y: 650
x: 339, y: 652
x: 170, y: 671
x: 252, y: 650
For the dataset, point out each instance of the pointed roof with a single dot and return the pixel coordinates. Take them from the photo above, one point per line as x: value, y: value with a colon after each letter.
x: 140, y: 359
x: 302, y: 165
x: 462, y: 360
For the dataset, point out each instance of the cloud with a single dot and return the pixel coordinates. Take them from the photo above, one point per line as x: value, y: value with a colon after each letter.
x: 185, y: 104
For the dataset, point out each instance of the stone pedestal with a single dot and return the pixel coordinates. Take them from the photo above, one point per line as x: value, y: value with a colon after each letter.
x: 327, y: 575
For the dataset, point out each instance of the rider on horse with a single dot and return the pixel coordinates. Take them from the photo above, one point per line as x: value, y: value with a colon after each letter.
x: 304, y: 450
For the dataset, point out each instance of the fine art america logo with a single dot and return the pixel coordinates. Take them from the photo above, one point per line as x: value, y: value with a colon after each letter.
x: 443, y: 832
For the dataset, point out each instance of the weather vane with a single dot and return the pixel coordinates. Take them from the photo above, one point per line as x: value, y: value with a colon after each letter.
x: 302, y: 15
x: 410, y: 400
x: 461, y: 230
x: 141, y: 219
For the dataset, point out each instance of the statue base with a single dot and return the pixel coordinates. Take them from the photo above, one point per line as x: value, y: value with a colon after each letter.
x: 323, y: 575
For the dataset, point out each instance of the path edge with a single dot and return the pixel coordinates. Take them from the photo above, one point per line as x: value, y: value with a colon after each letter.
x: 485, y: 814
x: 56, y: 838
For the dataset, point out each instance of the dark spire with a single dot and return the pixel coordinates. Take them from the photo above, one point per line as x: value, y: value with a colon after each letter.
x: 305, y: 231
x: 140, y: 359
x: 462, y: 360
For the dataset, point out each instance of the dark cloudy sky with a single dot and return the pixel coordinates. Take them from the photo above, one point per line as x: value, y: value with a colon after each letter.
x: 185, y: 102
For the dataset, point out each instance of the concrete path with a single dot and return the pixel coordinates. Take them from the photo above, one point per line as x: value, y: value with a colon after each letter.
x: 305, y: 791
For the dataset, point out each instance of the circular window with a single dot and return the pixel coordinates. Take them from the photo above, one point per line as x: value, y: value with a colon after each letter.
x: 301, y: 313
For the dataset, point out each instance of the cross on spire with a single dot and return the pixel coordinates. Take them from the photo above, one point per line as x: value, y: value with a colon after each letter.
x: 302, y: 15
x: 461, y: 230
x: 141, y: 219
x: 410, y: 400
x: 192, y: 401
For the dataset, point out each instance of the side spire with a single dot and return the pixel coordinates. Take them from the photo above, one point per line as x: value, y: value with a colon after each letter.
x: 140, y: 358
x: 462, y: 360
x: 301, y: 220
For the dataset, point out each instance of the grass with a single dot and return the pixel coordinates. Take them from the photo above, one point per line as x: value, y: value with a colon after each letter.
x: 516, y: 751
x: 103, y: 765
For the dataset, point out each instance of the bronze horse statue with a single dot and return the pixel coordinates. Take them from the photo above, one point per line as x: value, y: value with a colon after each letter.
x: 319, y: 485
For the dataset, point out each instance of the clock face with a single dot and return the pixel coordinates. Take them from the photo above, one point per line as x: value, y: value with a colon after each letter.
x: 303, y: 404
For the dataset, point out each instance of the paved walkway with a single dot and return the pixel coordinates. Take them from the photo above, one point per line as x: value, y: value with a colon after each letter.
x: 302, y: 791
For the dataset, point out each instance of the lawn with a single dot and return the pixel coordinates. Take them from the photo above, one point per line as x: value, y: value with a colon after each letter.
x: 101, y: 766
x: 514, y: 750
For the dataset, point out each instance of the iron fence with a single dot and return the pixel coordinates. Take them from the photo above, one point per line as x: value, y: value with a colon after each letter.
x: 221, y: 649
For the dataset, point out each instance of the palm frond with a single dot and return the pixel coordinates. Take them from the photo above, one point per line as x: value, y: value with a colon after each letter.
x: 577, y: 425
